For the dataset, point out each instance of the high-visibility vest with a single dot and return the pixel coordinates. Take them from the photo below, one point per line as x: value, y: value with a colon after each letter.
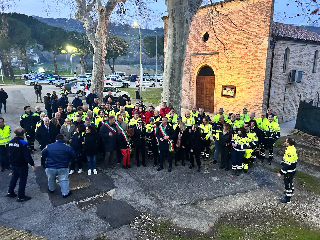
x: 172, y: 119
x: 290, y: 155
x: 260, y: 122
x: 245, y: 117
x: 206, y: 129
x: 242, y: 141
x: 149, y: 128
x: 216, y: 117
x: 192, y: 114
x: 97, y: 120
x: 253, y: 141
x: 188, y: 121
x: 133, y: 122
x: 5, y: 135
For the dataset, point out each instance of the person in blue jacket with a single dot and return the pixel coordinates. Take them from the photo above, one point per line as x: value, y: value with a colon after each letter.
x: 57, y: 157
x: 20, y: 156
x: 77, y: 101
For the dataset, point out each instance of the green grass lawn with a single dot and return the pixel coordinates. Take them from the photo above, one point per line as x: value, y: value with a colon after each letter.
x: 151, y: 95
x: 280, y: 232
x: 9, y: 81
x: 284, y: 227
x: 309, y: 182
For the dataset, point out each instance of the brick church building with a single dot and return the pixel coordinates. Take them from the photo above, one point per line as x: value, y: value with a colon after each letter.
x: 238, y: 57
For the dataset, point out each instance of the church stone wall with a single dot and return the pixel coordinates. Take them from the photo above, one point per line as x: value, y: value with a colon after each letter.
x: 236, y: 50
x: 285, y: 97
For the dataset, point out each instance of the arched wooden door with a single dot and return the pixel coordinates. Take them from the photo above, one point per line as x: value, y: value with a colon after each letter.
x: 205, y: 89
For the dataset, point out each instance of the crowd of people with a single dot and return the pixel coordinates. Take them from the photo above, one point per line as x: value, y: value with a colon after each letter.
x: 118, y: 130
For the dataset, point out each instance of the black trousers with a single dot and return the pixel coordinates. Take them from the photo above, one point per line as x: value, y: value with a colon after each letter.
x: 180, y: 154
x: 22, y: 174
x: 109, y: 158
x: 77, y: 160
x: 140, y: 148
x: 196, y: 155
x: 225, y: 157
x: 4, y: 160
x: 263, y: 152
x: 155, y: 151
x: 206, y: 146
x: 164, y: 153
x: 288, y: 184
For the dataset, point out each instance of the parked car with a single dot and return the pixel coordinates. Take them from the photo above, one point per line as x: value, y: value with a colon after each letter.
x: 28, y: 76
x: 60, y: 82
x: 113, y: 81
x: 121, y: 74
x: 146, y: 84
x: 132, y: 77
x: 114, y: 91
x: 82, y: 77
x: 157, y: 77
x: 78, y: 88
x: 146, y: 76
x: 45, y: 81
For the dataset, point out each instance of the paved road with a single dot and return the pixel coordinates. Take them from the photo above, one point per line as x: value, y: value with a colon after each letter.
x: 108, y: 202
x: 286, y: 127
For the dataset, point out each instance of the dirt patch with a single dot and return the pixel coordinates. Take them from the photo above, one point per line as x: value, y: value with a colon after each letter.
x: 308, y: 147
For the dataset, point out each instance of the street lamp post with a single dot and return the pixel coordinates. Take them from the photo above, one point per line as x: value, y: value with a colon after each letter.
x: 141, y: 71
x: 156, y: 57
x: 71, y: 64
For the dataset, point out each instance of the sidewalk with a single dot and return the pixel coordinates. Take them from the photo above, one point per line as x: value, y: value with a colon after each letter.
x: 286, y: 127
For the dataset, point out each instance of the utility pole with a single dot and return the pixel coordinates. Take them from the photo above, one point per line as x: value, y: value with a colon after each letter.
x: 156, y: 57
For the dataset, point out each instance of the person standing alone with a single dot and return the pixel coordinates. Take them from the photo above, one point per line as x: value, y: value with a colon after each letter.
x: 20, y: 156
x: 4, y: 139
x: 37, y: 89
x: 3, y: 100
x: 57, y: 157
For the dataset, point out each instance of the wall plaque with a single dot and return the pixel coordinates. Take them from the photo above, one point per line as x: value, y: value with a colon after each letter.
x: 228, y: 91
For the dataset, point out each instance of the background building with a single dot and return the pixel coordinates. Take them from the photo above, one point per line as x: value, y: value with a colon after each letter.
x: 236, y: 57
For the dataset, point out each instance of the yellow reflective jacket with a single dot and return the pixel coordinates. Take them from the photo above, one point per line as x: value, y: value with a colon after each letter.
x: 206, y: 129
x: 5, y: 135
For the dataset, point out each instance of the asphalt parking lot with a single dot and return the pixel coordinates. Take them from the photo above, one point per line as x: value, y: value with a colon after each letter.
x: 106, y: 203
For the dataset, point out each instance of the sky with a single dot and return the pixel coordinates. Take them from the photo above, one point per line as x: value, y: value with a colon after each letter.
x: 57, y: 9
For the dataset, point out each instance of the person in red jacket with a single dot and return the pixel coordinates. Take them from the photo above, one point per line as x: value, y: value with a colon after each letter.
x: 149, y: 114
x: 142, y: 114
x: 164, y: 110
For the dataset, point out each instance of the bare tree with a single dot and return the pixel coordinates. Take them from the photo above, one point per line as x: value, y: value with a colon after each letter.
x: 180, y: 15
x: 97, y: 34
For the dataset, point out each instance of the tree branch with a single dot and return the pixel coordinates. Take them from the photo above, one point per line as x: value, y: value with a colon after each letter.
x: 110, y: 5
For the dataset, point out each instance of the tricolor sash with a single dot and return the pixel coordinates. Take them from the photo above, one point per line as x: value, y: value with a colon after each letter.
x: 170, y: 142
x: 111, y: 128
x: 124, y: 134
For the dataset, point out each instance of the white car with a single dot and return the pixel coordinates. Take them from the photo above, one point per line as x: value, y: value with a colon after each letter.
x: 78, y: 88
x: 60, y: 82
x: 146, y: 84
x: 33, y: 82
x: 113, y: 81
x: 82, y: 77
x: 114, y: 91
x: 157, y: 77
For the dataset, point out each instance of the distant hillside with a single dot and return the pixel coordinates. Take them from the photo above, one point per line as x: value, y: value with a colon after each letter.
x: 129, y: 33
x: 123, y: 30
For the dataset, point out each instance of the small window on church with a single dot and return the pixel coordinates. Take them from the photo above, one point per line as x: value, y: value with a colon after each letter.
x: 205, y: 37
x: 315, y: 62
x: 286, y: 60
